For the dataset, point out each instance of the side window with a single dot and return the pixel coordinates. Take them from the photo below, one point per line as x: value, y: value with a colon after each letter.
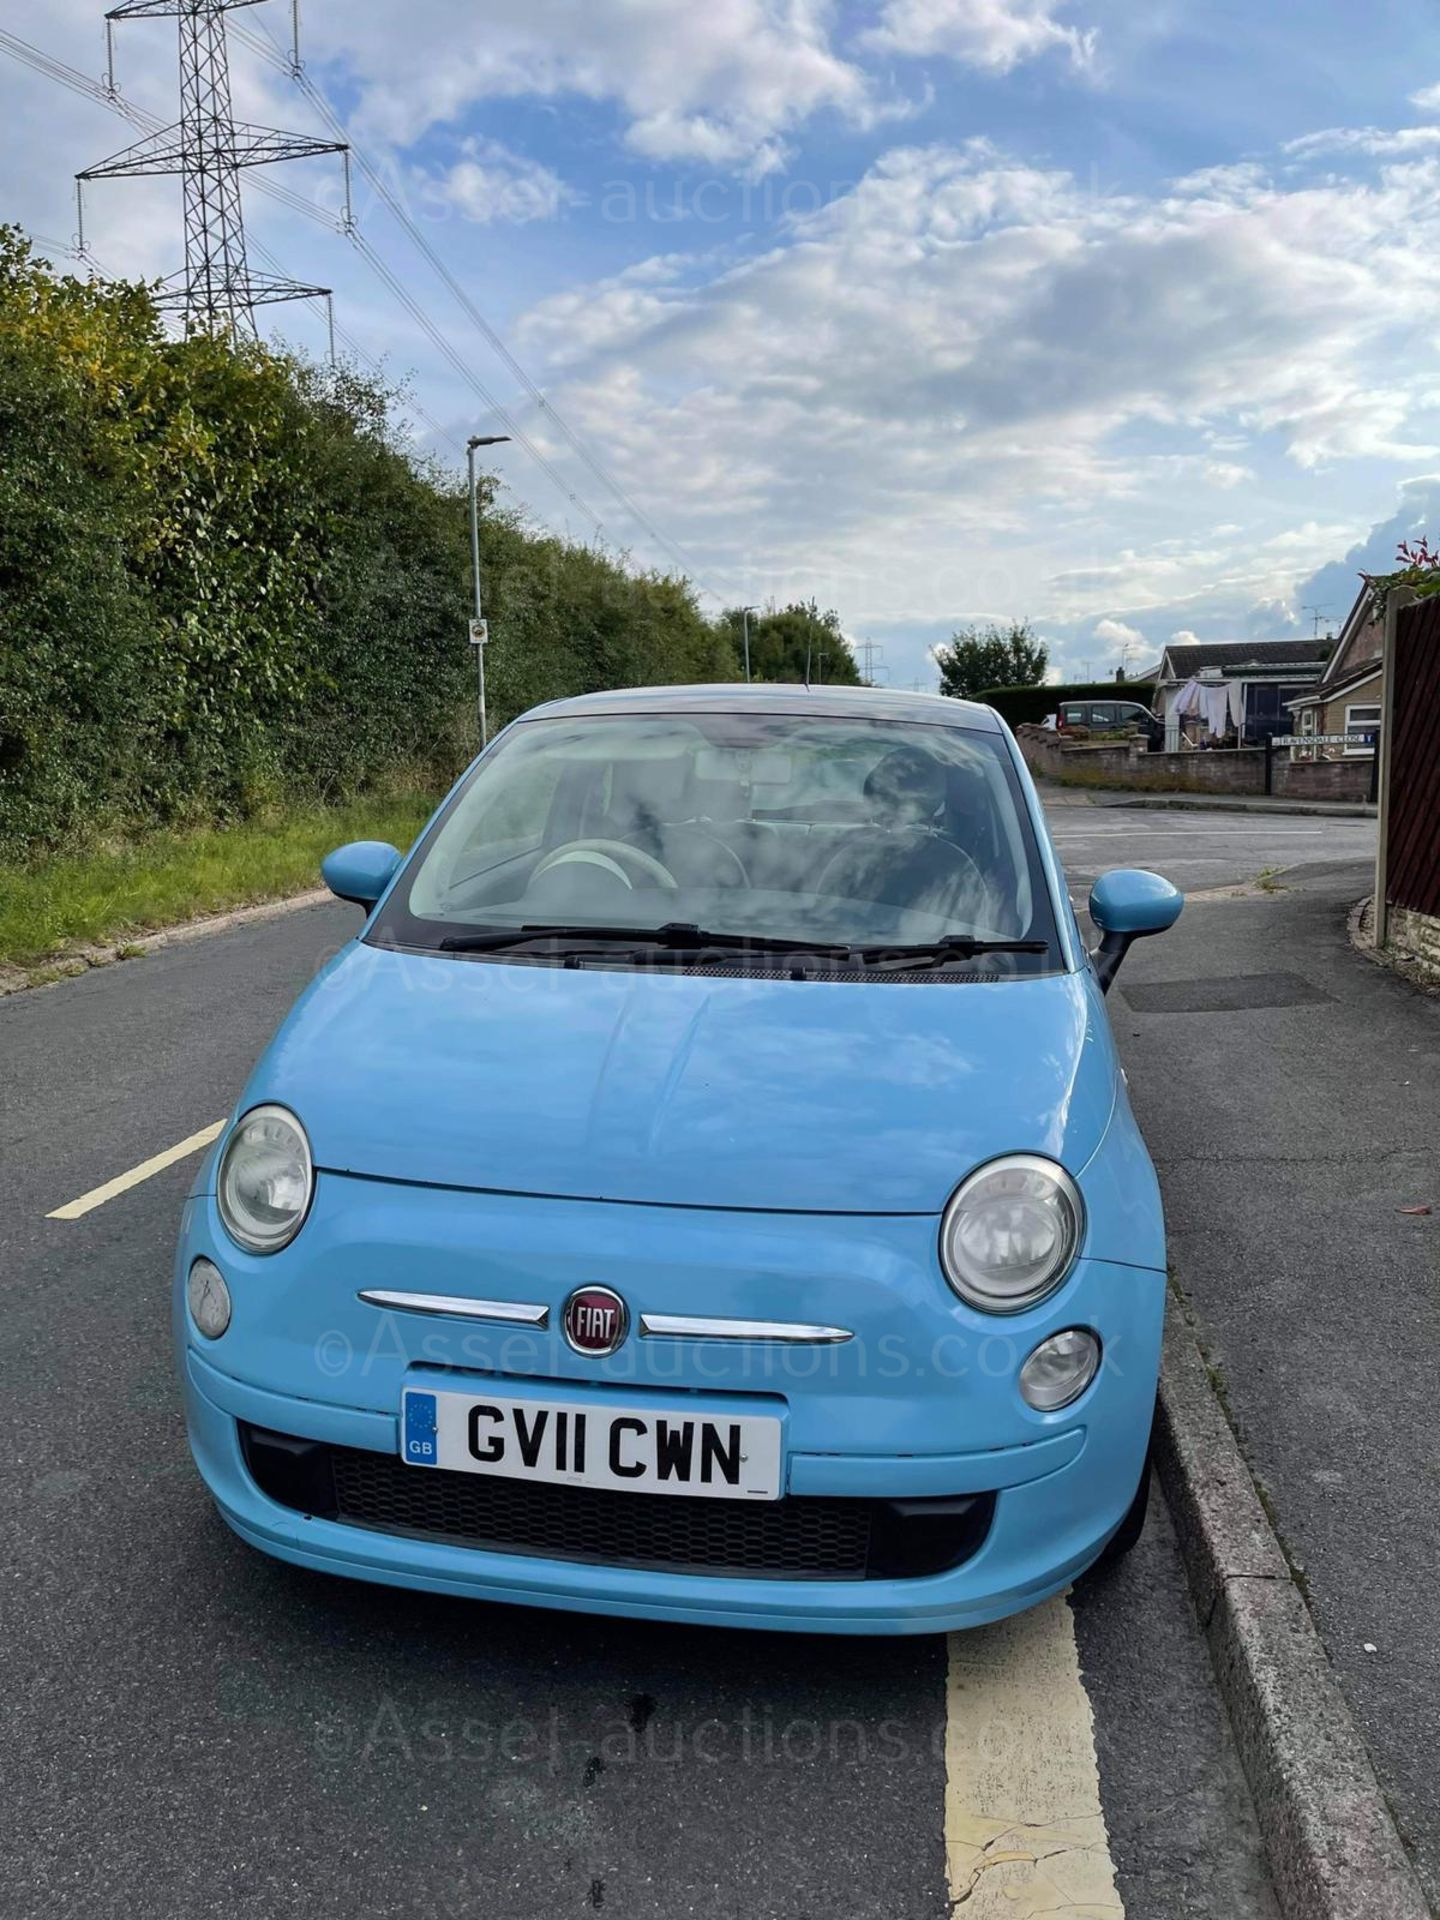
x: 1073, y: 716
x: 1105, y: 714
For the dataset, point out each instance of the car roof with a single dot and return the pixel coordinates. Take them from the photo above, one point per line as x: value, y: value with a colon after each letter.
x: 1104, y: 700
x: 850, y: 703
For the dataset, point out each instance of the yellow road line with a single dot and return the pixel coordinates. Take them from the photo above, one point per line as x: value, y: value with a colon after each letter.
x: 123, y: 1182
x: 1024, y: 1828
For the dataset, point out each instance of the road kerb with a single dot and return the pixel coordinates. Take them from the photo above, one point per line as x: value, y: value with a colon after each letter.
x: 1333, y: 1848
x: 81, y: 960
x: 1225, y: 803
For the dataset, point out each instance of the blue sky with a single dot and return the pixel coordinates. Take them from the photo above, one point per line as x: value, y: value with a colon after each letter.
x: 1119, y: 319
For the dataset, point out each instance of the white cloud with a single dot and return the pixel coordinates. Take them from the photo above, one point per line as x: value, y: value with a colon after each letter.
x: 720, y: 84
x: 1117, y: 635
x: 995, y: 35
x: 965, y: 349
x: 1183, y: 637
x: 968, y: 368
x: 491, y: 183
x: 1376, y: 142
x: 972, y: 387
x: 1427, y: 99
x: 1241, y: 182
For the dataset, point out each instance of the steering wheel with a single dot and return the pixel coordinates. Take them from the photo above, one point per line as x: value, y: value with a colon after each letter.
x: 955, y: 870
x: 675, y: 841
x: 622, y: 862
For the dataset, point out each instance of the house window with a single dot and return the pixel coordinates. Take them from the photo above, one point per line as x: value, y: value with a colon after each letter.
x: 1307, y: 720
x: 1266, y: 711
x: 1364, y: 720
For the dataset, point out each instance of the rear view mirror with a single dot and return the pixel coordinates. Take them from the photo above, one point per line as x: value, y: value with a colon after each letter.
x: 1127, y: 905
x: 361, y: 871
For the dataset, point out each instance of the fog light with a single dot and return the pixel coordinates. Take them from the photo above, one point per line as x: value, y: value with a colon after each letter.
x: 1060, y: 1369
x: 208, y: 1298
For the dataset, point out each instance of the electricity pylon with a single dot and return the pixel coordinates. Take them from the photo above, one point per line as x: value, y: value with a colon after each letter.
x: 218, y: 290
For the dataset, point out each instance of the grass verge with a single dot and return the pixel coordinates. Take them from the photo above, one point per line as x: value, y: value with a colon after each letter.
x: 111, y: 894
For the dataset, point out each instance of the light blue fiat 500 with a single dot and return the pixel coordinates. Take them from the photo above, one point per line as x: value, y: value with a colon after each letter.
x: 704, y: 1189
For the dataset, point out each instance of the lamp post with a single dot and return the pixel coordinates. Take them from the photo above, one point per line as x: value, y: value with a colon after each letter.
x: 745, y: 613
x: 478, y: 632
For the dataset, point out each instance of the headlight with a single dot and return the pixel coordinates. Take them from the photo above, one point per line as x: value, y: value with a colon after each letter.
x: 1011, y: 1232
x: 266, y: 1180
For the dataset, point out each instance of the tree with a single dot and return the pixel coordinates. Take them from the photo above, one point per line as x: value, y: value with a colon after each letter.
x: 227, y: 582
x: 1417, y: 566
x: 991, y: 656
x: 787, y: 641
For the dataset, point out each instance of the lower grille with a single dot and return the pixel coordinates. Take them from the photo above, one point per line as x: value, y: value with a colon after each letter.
x: 791, y: 1539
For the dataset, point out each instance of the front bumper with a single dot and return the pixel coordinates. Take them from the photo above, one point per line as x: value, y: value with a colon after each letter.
x: 921, y: 1403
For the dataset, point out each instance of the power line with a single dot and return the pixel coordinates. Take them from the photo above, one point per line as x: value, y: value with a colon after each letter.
x: 267, y: 49
x: 112, y: 98
x: 138, y: 116
x: 463, y: 369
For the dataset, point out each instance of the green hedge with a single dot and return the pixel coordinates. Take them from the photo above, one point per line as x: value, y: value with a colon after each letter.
x: 226, y: 584
x: 1020, y: 704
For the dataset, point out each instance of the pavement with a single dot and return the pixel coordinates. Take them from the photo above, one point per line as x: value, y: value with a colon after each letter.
x: 1289, y: 1091
x: 197, y: 1728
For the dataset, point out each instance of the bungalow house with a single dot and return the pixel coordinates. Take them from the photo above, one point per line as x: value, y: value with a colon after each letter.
x: 1259, y: 678
x: 1349, y: 696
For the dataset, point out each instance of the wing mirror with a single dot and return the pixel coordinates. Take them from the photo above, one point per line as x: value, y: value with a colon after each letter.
x: 360, y: 872
x: 1127, y: 905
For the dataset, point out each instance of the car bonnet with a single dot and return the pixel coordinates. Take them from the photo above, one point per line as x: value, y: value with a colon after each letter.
x: 708, y: 1089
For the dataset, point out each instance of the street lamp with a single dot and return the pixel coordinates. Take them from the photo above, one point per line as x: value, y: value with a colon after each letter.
x: 478, y: 630
x: 745, y: 613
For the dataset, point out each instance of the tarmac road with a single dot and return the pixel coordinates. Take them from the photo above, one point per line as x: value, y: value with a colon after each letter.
x: 1198, y: 850
x: 195, y: 1728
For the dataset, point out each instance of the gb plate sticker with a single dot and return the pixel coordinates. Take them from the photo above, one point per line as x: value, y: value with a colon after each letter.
x: 420, y: 1420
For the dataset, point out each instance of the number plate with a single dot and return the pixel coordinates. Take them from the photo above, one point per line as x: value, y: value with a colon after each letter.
x: 568, y: 1443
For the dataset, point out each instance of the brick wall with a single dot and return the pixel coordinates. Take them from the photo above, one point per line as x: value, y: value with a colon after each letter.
x: 1417, y: 936
x: 1235, y: 771
x: 1321, y: 779
x: 1238, y: 771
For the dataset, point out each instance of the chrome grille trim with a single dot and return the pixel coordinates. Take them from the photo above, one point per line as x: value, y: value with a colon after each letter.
x: 515, y: 1312
x: 671, y: 1326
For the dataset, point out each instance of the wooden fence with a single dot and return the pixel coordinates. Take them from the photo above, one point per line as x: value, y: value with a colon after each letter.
x: 1412, y: 868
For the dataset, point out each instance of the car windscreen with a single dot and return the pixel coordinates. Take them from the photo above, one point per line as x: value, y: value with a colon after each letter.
x: 823, y: 830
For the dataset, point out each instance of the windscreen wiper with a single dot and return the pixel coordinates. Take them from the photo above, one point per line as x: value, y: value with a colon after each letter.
x: 674, y: 936
x: 951, y: 946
